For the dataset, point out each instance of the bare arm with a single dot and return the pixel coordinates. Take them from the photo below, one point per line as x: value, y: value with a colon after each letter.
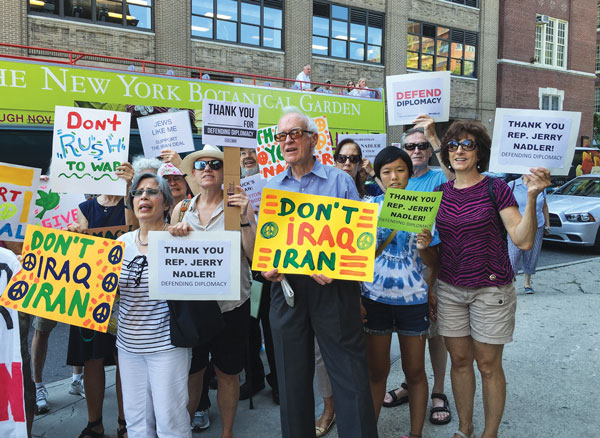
x: 546, y: 213
x: 240, y: 199
x: 170, y: 156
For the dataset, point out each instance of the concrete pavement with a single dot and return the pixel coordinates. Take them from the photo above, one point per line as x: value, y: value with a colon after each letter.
x: 552, y: 370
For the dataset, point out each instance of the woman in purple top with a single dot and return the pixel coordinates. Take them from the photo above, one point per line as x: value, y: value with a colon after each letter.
x: 476, y: 297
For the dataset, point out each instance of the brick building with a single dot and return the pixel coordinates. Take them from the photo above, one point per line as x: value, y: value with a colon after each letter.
x: 342, y: 40
x: 544, y: 57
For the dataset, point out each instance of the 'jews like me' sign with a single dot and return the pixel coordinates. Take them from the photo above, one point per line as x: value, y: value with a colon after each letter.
x: 87, y: 147
x: 66, y: 277
x: 311, y: 234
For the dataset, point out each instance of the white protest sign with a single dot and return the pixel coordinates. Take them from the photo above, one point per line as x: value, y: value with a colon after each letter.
x: 18, y: 187
x: 412, y: 94
x: 370, y: 144
x: 170, y: 130
x: 12, y: 406
x: 229, y: 123
x: 201, y: 266
x: 534, y: 138
x: 87, y: 147
x: 253, y: 186
x: 55, y: 210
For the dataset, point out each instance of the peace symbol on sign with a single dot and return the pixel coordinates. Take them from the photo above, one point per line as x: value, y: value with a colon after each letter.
x: 110, y: 282
x: 29, y: 262
x: 269, y: 230
x: 115, y: 255
x: 101, y: 313
x: 365, y: 240
x: 18, y: 290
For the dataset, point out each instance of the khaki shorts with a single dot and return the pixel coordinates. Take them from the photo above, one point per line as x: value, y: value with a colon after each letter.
x: 486, y: 314
x: 43, y: 324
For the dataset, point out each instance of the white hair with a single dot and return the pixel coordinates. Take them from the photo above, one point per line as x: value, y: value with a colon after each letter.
x: 140, y: 163
x: 310, y: 123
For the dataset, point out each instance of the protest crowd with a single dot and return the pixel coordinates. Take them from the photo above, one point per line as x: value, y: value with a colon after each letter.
x: 448, y: 288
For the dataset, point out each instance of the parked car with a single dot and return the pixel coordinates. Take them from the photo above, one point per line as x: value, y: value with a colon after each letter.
x: 575, y: 212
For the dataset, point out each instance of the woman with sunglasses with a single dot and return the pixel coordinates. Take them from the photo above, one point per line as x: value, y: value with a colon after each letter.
x: 205, y: 212
x: 397, y: 298
x: 153, y: 371
x: 348, y: 157
x: 476, y: 297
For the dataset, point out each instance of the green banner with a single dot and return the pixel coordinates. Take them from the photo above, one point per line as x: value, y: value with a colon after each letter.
x: 30, y: 91
x: 409, y: 211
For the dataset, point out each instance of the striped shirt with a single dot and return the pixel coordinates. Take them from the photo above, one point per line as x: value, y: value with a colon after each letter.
x: 473, y: 252
x: 143, y: 323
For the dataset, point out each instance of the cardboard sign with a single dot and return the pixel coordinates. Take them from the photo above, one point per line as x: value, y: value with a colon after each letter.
x: 229, y: 123
x: 270, y: 158
x: 308, y: 234
x: 534, y: 138
x: 87, y: 147
x: 253, y: 186
x: 66, y: 277
x: 18, y: 185
x: 109, y: 232
x: 170, y: 130
x: 12, y: 406
x: 412, y: 94
x: 55, y: 210
x: 370, y: 144
x: 409, y: 211
x: 200, y: 266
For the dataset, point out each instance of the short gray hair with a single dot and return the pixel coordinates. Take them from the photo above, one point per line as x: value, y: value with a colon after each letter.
x: 310, y: 123
x: 163, y: 186
x: 140, y: 163
x: 410, y: 132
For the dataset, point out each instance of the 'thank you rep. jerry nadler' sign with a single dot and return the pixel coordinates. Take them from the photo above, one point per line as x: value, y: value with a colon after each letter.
x: 229, y: 123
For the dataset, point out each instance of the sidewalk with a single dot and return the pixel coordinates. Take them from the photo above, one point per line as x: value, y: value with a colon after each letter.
x: 552, y: 371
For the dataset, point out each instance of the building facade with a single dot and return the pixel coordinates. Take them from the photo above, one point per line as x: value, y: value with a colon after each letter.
x: 545, y: 57
x: 342, y: 40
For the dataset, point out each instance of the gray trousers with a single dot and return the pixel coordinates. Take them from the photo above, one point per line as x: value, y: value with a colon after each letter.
x: 332, y: 314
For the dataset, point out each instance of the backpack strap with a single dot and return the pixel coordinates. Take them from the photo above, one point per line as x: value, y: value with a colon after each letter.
x: 493, y: 198
x: 185, y: 205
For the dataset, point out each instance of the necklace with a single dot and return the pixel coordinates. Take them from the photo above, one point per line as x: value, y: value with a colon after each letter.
x: 137, y: 237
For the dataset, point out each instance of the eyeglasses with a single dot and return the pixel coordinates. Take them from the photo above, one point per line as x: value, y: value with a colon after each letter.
x: 421, y: 146
x: 140, y: 192
x: 467, y: 145
x: 342, y: 158
x: 294, y: 134
x: 214, y: 164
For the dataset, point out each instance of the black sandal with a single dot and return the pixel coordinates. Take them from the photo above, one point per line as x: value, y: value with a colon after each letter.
x: 444, y: 408
x: 395, y: 400
x: 121, y: 432
x: 88, y: 432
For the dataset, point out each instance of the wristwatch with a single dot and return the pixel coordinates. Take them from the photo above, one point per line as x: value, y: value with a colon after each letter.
x: 437, y: 151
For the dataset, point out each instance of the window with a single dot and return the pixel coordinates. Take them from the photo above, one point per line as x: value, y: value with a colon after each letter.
x: 252, y: 22
x: 127, y: 13
x: 598, y: 57
x: 550, y: 42
x: 436, y: 48
x: 597, y: 100
x: 473, y: 3
x: 348, y: 33
x: 598, y: 16
x: 551, y: 99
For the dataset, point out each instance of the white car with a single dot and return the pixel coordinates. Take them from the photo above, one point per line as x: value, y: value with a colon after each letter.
x: 575, y: 212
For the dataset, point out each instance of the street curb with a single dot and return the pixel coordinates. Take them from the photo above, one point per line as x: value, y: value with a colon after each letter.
x: 561, y: 265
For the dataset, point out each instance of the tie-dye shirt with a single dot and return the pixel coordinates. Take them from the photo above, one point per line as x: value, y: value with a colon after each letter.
x: 474, y: 252
x: 398, y: 278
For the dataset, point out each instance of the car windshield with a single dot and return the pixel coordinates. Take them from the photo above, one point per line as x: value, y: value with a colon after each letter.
x: 581, y: 187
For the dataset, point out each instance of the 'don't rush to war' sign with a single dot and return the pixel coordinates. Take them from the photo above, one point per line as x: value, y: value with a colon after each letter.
x: 270, y: 158
x: 308, y: 234
x: 409, y: 211
x: 87, y: 147
x: 66, y: 277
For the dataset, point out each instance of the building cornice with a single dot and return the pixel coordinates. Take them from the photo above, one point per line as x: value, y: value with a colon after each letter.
x: 547, y: 68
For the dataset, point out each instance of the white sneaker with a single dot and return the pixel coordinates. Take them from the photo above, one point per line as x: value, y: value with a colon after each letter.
x: 201, y: 421
x: 76, y: 388
x: 41, y: 396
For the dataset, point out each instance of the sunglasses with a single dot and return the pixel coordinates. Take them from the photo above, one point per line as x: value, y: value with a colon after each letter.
x: 421, y: 146
x: 294, y: 134
x: 467, y: 145
x: 214, y: 164
x: 342, y: 158
x: 140, y: 192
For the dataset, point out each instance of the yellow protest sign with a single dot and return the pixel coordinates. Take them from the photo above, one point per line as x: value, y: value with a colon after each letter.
x: 66, y: 277
x: 307, y: 234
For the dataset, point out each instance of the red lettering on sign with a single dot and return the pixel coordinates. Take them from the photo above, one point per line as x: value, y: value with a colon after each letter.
x: 11, y: 393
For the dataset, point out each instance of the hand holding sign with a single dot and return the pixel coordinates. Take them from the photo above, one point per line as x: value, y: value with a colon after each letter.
x: 537, y: 181
x: 424, y: 239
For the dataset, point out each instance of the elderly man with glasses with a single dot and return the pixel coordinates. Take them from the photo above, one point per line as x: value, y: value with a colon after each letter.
x: 326, y: 308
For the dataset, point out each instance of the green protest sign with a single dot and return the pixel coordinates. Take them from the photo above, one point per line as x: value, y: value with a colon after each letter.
x: 409, y: 211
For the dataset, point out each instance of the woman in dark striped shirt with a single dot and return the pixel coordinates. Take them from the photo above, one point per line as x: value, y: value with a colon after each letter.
x: 476, y: 296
